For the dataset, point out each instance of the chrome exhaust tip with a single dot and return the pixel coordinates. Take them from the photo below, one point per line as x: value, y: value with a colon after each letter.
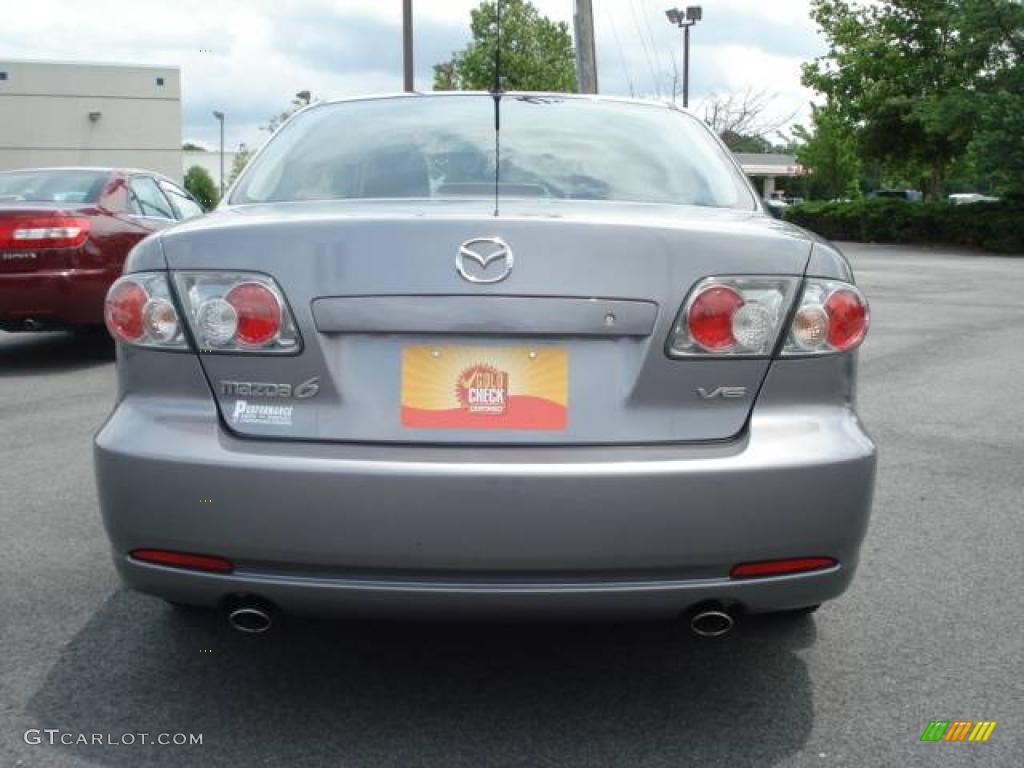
x: 711, y: 622
x: 250, y: 619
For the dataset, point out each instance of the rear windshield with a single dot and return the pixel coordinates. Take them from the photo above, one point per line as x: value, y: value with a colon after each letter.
x: 52, y: 186
x: 444, y: 147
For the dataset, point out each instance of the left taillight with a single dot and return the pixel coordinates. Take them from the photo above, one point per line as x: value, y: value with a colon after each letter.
x: 33, y: 232
x: 139, y: 310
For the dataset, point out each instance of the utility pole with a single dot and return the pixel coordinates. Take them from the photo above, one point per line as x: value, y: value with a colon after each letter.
x: 407, y: 44
x: 586, y: 58
x: 219, y: 116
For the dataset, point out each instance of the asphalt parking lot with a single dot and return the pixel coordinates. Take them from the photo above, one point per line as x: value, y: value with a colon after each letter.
x: 931, y: 630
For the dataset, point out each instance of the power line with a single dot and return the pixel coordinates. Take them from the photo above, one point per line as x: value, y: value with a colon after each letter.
x: 672, y: 58
x: 655, y: 48
x: 647, y: 53
x: 618, y: 45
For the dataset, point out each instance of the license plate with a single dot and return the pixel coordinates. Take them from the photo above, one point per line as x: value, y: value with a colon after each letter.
x: 485, y: 387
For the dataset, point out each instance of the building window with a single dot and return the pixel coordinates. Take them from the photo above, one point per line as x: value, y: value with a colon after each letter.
x: 159, y: 81
x: 3, y: 75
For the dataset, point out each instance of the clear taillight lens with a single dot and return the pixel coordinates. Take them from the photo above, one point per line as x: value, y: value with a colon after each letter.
x: 237, y: 312
x: 732, y: 317
x: 139, y: 310
x: 832, y: 317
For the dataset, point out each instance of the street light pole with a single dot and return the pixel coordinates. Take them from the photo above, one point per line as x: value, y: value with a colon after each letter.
x: 684, y: 20
x: 686, y: 65
x: 220, y: 118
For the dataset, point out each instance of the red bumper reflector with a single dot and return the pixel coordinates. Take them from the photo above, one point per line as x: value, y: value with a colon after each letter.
x: 779, y: 567
x: 184, y: 560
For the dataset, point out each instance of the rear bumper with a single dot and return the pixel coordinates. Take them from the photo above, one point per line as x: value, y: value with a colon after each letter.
x: 400, y: 530
x: 53, y: 298
x: 428, y: 598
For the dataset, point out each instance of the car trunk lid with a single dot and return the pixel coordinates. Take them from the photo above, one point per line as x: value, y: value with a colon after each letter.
x: 569, y: 348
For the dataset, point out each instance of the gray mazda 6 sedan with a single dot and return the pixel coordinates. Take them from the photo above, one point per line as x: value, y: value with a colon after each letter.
x: 468, y: 354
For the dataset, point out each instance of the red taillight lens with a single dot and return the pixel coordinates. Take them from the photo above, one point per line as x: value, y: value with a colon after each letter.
x: 123, y: 310
x: 847, y: 319
x: 780, y: 567
x: 710, y: 317
x: 43, y: 232
x: 184, y: 560
x: 259, y: 313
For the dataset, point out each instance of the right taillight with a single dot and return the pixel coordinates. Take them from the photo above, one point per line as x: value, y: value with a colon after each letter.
x: 832, y: 316
x: 740, y: 316
x: 237, y: 312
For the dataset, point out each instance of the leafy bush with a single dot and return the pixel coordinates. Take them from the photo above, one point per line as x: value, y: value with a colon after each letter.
x: 997, y: 227
x: 199, y: 182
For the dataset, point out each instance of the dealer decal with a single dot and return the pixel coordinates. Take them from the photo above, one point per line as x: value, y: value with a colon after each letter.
x: 485, y: 388
x: 258, y: 413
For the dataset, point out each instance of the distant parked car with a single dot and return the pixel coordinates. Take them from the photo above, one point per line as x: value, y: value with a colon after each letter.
x: 775, y: 206
x: 967, y: 198
x: 910, y: 195
x: 64, y: 236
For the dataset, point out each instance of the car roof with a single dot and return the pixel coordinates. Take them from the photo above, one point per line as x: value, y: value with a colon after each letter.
x: 96, y: 169
x: 517, y: 94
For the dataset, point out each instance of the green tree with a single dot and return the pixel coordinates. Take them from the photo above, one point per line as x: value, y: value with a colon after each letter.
x: 199, y: 182
x: 536, y: 53
x: 302, y: 100
x: 238, y: 164
x: 998, y: 145
x: 829, y: 152
x: 913, y: 75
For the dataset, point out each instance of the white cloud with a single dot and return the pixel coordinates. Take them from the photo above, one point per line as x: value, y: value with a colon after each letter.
x: 262, y: 51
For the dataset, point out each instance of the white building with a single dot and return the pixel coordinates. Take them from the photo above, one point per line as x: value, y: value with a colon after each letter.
x: 764, y: 169
x: 61, y: 113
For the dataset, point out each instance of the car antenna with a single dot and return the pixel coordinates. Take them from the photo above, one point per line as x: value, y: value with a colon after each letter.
x: 496, y: 95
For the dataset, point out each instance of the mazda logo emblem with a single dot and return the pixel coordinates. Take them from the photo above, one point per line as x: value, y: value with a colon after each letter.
x: 491, y: 256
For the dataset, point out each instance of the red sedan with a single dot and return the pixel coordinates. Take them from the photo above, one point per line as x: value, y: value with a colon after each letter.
x: 64, y: 236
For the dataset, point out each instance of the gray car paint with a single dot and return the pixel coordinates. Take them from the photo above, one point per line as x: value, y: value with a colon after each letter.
x: 640, y: 510
x: 485, y: 315
x: 344, y: 528
x: 574, y: 250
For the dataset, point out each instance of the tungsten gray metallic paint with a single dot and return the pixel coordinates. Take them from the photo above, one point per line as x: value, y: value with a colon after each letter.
x: 639, y: 507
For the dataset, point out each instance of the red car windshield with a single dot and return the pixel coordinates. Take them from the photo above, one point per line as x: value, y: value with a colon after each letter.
x: 52, y: 186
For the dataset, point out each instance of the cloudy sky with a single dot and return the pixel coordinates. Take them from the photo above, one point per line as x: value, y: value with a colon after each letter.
x: 249, y: 57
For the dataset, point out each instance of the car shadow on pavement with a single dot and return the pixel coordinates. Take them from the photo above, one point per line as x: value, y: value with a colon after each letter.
x: 22, y: 353
x: 343, y: 693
